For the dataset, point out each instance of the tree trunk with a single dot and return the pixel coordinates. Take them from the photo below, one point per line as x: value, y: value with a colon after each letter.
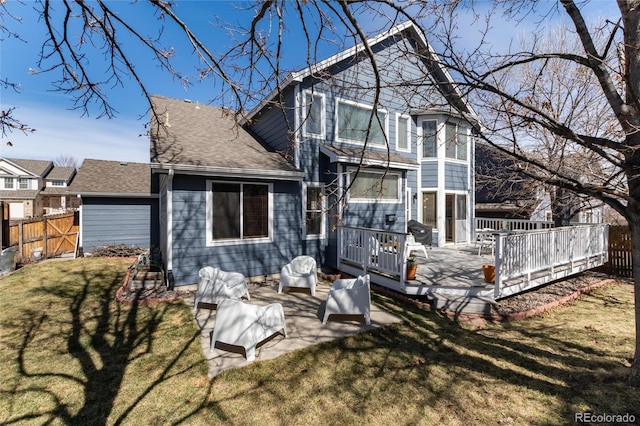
x: 634, y: 226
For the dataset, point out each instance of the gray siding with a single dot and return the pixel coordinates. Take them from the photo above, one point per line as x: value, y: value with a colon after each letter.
x: 112, y: 221
x: 456, y: 177
x: 190, y: 252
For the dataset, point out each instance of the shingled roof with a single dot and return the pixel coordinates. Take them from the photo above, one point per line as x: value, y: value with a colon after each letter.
x: 61, y: 173
x: 207, y: 137
x: 108, y: 178
x: 37, y: 167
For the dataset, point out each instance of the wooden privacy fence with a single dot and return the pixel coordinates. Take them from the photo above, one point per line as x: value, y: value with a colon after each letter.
x: 51, y: 236
x: 620, y: 262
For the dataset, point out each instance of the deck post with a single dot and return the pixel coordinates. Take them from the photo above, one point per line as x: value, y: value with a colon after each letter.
x: 499, y: 252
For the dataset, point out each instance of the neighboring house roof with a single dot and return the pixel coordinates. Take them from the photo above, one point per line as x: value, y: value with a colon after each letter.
x: 441, y: 76
x: 112, y: 178
x: 19, y: 194
x: 61, y: 173
x: 37, y: 167
x: 369, y: 158
x: 500, y: 188
x: 207, y: 140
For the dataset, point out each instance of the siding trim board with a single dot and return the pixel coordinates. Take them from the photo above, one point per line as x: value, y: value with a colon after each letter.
x: 228, y: 172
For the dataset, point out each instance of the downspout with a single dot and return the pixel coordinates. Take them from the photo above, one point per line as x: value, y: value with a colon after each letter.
x: 169, y: 223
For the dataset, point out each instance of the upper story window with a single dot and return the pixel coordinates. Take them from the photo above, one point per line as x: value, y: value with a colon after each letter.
x: 313, y: 114
x: 456, y: 141
x: 23, y: 183
x: 375, y: 186
x: 403, y: 133
x: 429, y: 138
x: 57, y: 183
x: 353, y: 121
x: 8, y: 183
x: 238, y: 212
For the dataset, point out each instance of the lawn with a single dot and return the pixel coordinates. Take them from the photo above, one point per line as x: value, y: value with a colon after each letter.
x: 70, y: 354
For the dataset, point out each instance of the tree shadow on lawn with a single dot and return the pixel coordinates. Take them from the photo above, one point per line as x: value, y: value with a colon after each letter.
x: 432, y: 362
x: 103, y: 337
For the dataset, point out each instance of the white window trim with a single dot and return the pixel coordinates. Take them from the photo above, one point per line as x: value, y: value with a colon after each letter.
x: 323, y: 115
x: 210, y: 242
x: 7, y: 180
x: 456, y: 159
x: 24, y: 180
x: 419, y: 132
x: 385, y: 125
x: 350, y: 170
x: 323, y: 221
x: 399, y: 117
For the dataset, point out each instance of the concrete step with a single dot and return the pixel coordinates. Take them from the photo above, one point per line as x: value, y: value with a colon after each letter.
x: 463, y: 304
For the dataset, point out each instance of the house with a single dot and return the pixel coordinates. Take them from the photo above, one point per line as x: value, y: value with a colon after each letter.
x: 55, y: 196
x: 504, y: 191
x: 314, y: 155
x: 34, y: 188
x: 118, y: 204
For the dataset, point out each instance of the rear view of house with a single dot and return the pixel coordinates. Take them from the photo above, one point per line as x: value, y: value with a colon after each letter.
x: 317, y: 154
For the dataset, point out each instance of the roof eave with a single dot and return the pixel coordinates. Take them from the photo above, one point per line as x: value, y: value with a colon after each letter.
x: 234, y: 172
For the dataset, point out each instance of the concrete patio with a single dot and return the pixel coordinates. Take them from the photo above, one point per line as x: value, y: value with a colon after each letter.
x: 303, y: 314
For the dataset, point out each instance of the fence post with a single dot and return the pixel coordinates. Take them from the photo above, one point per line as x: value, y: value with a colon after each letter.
x: 44, y: 238
x: 20, y: 238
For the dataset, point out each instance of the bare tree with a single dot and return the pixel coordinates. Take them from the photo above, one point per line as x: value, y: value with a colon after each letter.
x: 66, y: 160
x: 513, y: 105
x: 596, y: 117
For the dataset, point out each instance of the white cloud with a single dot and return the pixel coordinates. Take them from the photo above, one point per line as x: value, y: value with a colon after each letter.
x: 63, y: 132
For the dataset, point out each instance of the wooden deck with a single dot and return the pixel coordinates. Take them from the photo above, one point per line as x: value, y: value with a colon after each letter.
x: 452, y: 275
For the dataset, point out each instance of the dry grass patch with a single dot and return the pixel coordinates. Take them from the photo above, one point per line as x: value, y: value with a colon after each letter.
x: 70, y: 354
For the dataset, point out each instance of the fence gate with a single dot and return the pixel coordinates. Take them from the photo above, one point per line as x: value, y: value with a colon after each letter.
x: 51, y: 236
x: 620, y: 248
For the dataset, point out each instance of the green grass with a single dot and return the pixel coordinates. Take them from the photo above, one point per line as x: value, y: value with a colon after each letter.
x: 70, y: 354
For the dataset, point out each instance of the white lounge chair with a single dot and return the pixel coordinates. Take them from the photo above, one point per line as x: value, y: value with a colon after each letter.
x: 246, y: 325
x: 349, y: 297
x: 216, y: 285
x: 300, y: 272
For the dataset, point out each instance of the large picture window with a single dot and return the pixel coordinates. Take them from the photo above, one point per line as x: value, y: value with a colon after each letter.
x: 239, y: 211
x: 376, y: 186
x: 313, y: 107
x: 353, y: 121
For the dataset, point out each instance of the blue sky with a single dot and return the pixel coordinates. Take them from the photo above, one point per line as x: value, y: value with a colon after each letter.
x: 64, y: 131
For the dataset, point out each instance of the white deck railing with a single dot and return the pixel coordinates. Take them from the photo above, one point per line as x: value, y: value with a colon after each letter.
x: 521, y: 254
x: 511, y: 224
x: 378, y: 250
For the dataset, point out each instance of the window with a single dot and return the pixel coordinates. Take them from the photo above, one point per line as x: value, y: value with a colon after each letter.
x: 313, y: 115
x: 57, y: 183
x: 429, y: 209
x: 461, y: 207
x: 373, y: 186
x: 238, y: 211
x: 456, y: 141
x: 314, y: 206
x: 429, y: 138
x: 23, y: 183
x: 8, y: 183
x: 353, y: 121
x: 403, y: 135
